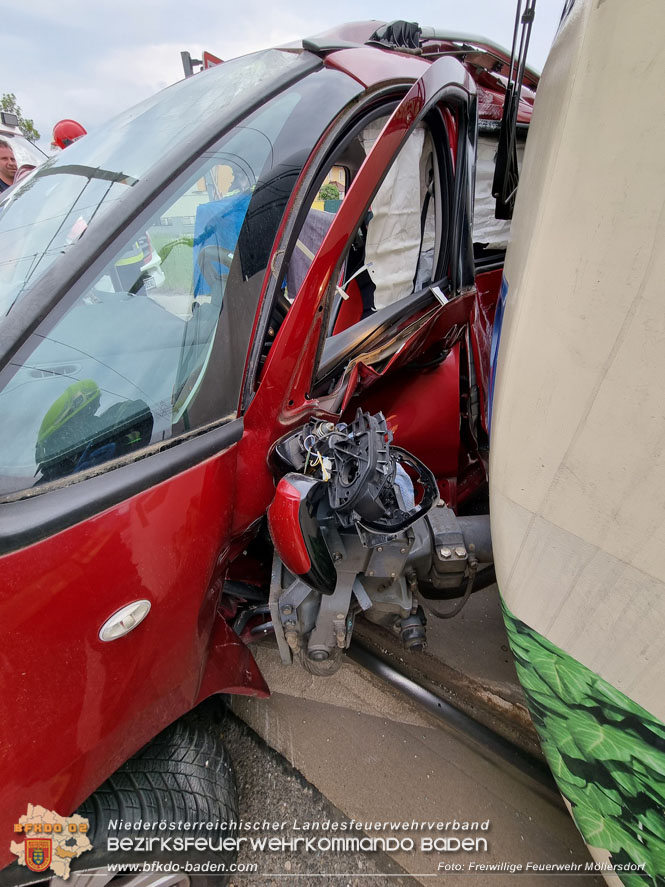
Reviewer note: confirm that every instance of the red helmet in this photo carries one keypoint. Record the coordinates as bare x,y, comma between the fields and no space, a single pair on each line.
65,132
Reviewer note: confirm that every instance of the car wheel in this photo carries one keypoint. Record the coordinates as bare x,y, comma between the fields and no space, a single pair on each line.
183,775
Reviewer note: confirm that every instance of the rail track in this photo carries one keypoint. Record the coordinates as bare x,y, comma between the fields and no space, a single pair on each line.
454,717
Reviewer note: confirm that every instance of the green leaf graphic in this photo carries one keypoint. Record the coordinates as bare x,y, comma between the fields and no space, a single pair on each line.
606,752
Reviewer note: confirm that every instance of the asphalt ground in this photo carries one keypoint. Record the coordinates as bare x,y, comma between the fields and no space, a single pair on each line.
370,754
270,788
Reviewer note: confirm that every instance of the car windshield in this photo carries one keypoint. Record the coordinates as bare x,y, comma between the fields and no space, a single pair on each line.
45,216
150,343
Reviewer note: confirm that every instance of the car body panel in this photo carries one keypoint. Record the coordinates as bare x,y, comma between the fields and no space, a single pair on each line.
97,702
370,68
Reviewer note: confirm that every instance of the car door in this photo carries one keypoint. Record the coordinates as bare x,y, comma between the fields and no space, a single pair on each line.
292,383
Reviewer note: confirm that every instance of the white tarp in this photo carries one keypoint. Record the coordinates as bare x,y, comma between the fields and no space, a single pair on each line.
393,235
493,233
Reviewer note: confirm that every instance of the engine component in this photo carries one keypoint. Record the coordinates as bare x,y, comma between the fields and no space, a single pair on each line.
362,487
412,631
362,472
351,535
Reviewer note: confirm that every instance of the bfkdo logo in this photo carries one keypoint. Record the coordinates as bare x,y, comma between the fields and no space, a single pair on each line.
38,853
51,841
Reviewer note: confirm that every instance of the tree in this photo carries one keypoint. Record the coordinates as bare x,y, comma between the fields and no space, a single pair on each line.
8,103
329,191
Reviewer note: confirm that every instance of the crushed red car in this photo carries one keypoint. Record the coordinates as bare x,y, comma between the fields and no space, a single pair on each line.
285,433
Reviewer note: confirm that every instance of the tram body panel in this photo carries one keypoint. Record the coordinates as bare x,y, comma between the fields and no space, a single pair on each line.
577,463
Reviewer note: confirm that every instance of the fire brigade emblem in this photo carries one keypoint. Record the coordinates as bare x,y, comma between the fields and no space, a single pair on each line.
38,853
51,841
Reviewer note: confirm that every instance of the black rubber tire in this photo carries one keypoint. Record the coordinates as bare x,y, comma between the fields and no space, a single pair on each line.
186,774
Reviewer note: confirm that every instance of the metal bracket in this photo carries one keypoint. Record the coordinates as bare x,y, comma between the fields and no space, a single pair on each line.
273,600
362,597
330,628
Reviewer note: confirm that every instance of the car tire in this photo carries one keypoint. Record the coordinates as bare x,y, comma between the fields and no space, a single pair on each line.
183,775
186,774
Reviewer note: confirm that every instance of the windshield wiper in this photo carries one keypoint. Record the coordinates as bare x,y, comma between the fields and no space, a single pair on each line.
90,172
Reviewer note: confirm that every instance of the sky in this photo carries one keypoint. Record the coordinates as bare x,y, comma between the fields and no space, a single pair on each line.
90,59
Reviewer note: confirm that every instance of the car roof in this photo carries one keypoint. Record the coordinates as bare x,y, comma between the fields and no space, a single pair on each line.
487,62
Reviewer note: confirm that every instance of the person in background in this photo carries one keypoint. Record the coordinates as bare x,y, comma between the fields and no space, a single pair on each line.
7,165
65,132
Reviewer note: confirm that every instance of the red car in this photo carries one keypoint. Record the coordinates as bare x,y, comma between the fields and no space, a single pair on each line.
288,432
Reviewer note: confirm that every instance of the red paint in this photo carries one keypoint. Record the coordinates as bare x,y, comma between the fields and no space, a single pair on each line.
81,707
422,411
370,67
351,309
481,324
284,522
282,401
309,302
489,65
230,667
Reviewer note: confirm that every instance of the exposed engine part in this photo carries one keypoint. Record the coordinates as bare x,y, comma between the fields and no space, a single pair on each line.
245,616
362,472
412,631
448,614
352,535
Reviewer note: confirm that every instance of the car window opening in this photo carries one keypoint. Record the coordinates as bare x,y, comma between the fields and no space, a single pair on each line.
137,358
